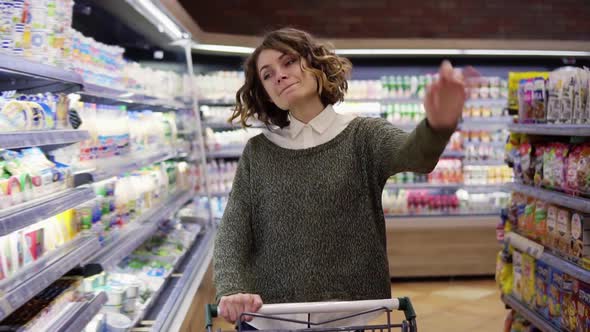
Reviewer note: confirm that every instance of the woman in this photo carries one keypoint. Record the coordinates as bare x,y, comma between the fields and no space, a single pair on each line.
304,221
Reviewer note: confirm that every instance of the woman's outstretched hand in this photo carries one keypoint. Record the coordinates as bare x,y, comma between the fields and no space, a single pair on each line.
445,97
232,306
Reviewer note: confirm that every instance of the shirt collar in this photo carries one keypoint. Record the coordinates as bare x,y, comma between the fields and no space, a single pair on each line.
320,123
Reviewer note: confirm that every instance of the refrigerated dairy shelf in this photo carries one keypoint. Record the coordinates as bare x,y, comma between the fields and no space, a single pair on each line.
551,129
577,203
226,153
105,95
120,245
120,165
80,314
23,139
22,287
170,312
17,73
536,250
537,320
28,213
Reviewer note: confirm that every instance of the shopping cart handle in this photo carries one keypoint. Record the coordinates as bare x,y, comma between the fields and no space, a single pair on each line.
325,307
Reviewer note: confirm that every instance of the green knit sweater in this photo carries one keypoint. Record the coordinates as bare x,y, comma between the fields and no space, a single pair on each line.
307,225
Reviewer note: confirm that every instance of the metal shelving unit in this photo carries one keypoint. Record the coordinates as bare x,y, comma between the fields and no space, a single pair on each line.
168,314
31,212
17,73
120,245
537,320
577,203
22,139
105,95
121,165
551,129
22,287
486,220
226,153
80,314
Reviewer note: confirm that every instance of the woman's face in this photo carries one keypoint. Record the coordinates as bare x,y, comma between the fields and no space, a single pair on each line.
284,81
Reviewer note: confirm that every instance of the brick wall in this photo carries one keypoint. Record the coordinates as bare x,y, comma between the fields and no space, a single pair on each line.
486,19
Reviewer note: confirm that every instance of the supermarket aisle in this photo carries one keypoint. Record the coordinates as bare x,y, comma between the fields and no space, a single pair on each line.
448,306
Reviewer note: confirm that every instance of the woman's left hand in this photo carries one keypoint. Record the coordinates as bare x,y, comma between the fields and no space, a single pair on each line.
446,97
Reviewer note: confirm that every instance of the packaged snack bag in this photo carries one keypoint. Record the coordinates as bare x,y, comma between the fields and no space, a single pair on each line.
540,231
564,229
538,100
552,234
582,299
554,161
529,216
568,304
542,282
578,170
525,101
539,151
555,86
567,98
526,164
580,237
581,95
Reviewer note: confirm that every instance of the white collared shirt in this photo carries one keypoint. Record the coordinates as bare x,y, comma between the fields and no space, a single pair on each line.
321,129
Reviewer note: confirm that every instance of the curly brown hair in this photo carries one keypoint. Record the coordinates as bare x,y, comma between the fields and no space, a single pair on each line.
330,71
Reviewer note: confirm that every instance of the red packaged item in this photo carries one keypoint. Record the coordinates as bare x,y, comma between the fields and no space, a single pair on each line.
582,300
538,165
577,177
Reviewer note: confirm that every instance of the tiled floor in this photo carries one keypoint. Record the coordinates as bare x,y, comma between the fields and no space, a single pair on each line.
445,306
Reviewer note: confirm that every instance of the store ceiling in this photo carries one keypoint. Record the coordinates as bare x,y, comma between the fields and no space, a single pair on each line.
488,19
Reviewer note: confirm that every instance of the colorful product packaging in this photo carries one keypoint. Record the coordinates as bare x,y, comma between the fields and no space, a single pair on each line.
555,297
568,304
582,299
542,283
564,231
528,280
517,262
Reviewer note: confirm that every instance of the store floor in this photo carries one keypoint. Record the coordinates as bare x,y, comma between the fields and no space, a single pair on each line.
445,306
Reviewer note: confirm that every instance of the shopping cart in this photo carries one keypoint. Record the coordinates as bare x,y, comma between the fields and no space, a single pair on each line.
359,308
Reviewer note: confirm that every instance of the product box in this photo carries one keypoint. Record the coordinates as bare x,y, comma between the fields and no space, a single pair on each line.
582,299
517,288
580,230
542,283
540,221
564,231
529,218
528,280
555,297
568,304
552,234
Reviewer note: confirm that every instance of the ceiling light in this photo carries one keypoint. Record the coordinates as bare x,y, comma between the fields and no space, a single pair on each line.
157,17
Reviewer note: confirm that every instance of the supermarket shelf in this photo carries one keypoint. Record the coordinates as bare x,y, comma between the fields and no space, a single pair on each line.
487,102
138,232
172,313
119,165
23,139
536,250
21,288
537,320
217,102
232,126
468,187
226,153
80,315
453,154
31,212
105,95
577,203
17,73
492,162
551,129
442,221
